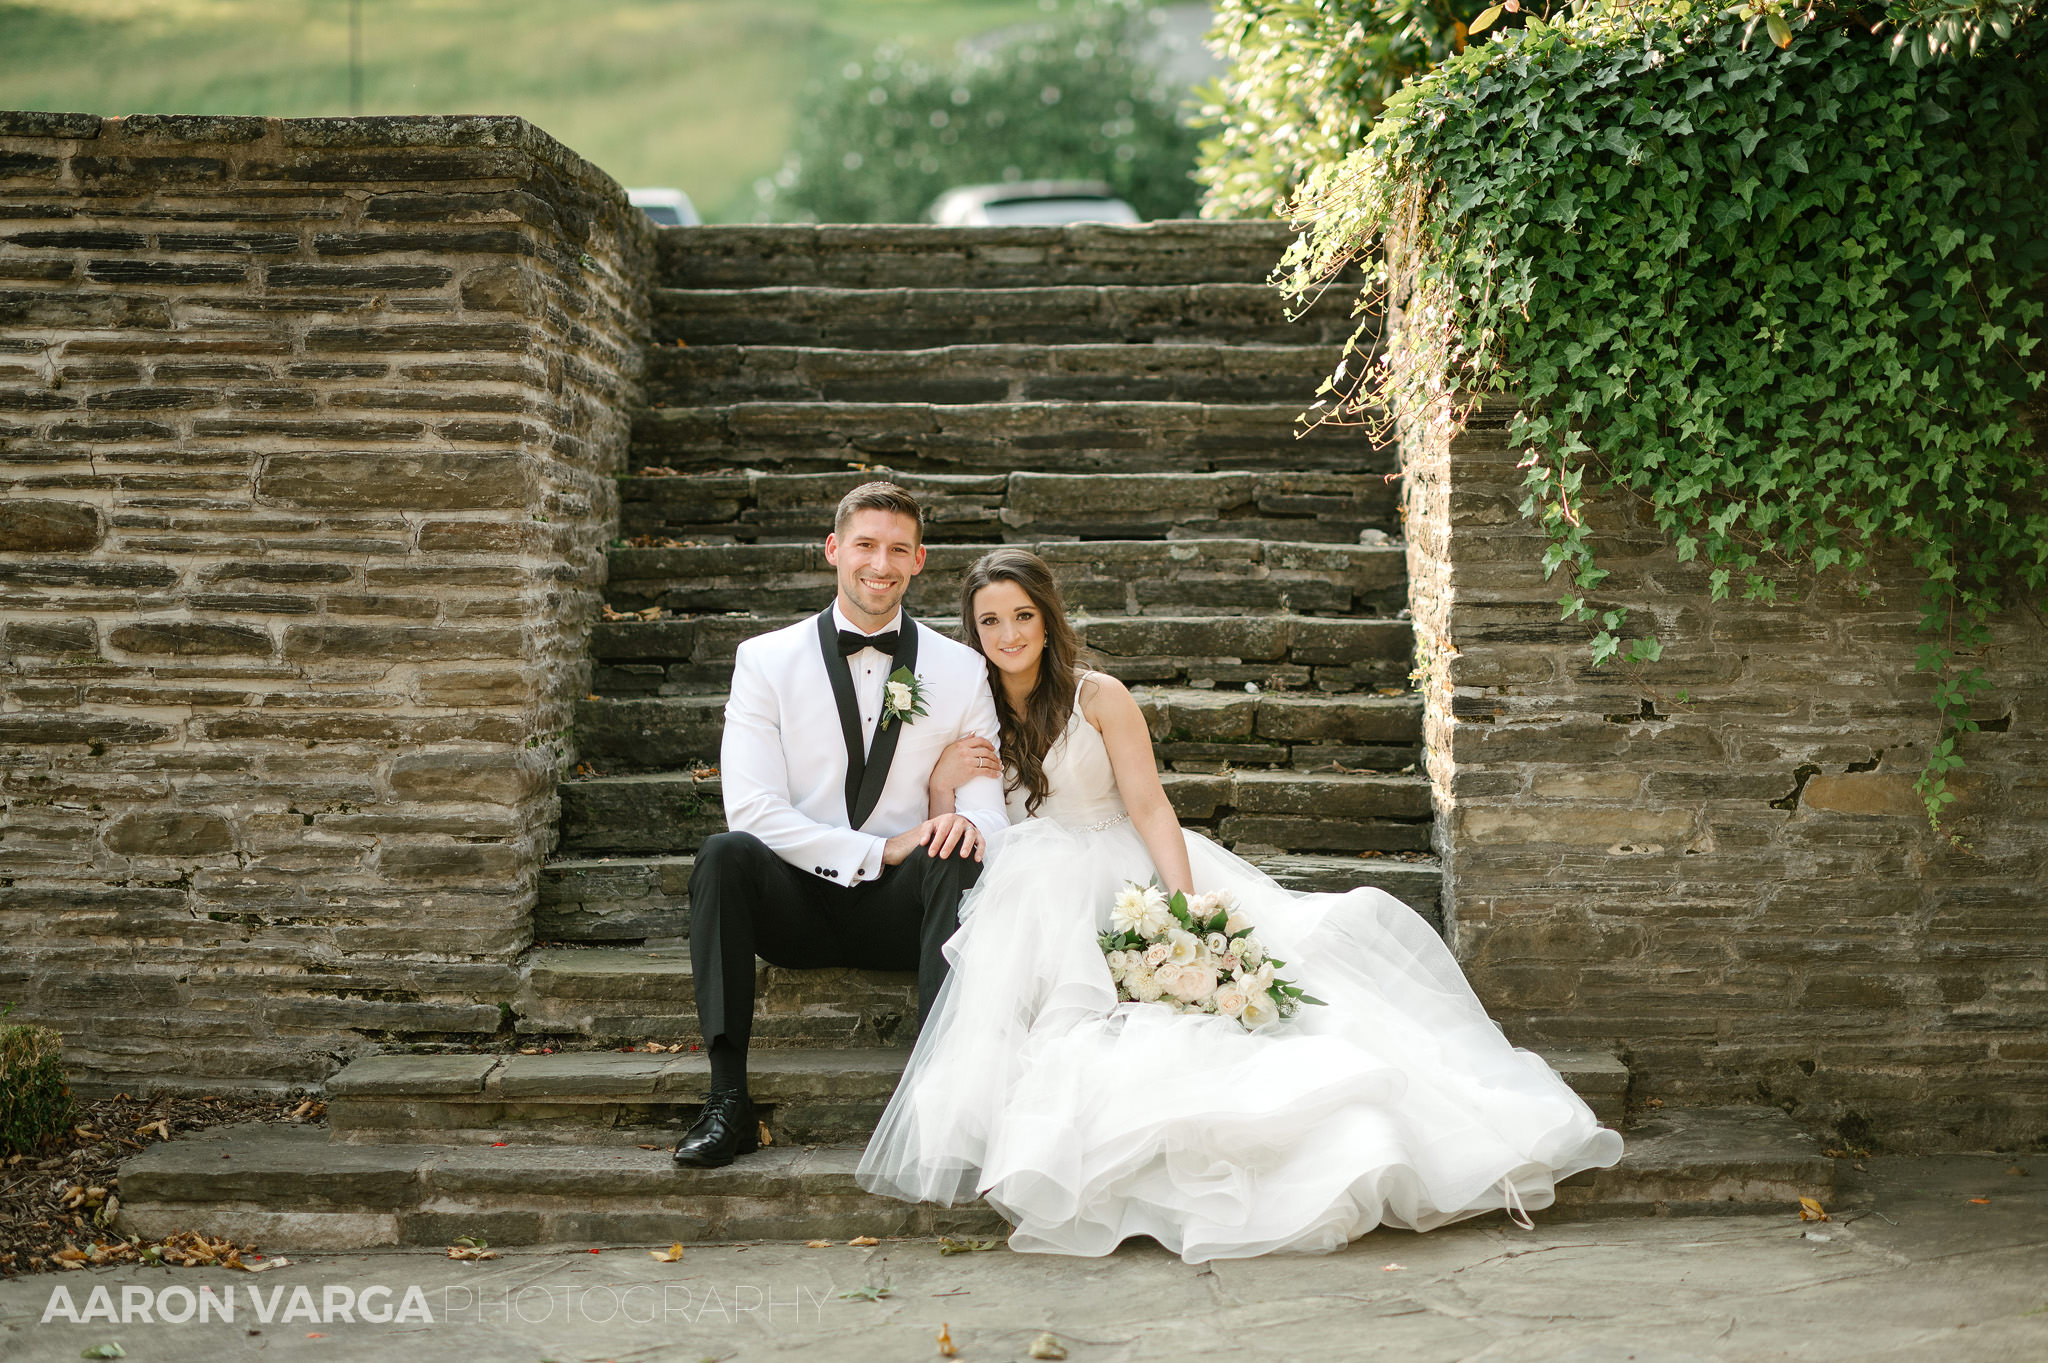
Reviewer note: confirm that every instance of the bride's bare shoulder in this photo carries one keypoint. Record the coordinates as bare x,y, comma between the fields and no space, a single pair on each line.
1103,696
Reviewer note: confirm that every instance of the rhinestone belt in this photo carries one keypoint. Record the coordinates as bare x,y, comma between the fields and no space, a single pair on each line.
1110,822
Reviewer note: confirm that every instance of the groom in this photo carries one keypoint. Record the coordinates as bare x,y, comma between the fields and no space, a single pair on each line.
830,859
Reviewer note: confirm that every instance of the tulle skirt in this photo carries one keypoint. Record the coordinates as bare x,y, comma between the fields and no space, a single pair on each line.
1086,1121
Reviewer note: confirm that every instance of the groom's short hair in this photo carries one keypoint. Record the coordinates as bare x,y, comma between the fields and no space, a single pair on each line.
879,496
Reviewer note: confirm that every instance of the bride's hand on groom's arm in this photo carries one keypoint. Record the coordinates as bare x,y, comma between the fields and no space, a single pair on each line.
965,759
940,837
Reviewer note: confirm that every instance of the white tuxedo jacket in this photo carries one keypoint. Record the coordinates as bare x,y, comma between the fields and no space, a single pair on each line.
788,750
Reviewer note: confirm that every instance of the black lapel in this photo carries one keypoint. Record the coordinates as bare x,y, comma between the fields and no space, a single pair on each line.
876,774
849,714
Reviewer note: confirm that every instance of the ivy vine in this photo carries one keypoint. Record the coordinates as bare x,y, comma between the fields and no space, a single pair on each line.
1785,287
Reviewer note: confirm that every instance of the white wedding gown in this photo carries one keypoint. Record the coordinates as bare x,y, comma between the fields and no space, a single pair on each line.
1085,1121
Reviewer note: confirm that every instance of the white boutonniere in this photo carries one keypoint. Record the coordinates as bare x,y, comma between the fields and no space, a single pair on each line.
902,697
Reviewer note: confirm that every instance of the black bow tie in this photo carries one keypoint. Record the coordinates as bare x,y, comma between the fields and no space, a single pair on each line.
851,642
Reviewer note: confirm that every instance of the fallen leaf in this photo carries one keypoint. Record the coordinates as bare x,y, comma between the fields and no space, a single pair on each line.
103,1351
767,1137
1980,1202
1393,1268
863,1241
1047,1345
650,1147
948,1245
1809,1210
870,1292
817,1244
597,1251
314,1334
476,1250
499,1145
264,1267
673,1254
946,1349
2016,1169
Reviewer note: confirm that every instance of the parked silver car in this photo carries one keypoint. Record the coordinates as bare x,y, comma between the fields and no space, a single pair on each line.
667,207
1028,202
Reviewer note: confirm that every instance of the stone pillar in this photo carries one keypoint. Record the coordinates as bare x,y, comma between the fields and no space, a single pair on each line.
1716,864
307,430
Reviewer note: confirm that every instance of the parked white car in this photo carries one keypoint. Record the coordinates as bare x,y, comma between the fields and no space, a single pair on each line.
668,207
1030,202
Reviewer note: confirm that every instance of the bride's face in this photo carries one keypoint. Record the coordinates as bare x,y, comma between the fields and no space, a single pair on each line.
1009,626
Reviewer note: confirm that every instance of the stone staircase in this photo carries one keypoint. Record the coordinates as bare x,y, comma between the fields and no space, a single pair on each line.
1122,401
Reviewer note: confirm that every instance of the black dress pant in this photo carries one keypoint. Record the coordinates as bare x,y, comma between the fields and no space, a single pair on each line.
745,902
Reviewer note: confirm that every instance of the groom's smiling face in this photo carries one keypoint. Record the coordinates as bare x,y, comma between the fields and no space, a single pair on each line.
876,554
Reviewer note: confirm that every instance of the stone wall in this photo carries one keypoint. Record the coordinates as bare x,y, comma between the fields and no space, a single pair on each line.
1716,864
307,431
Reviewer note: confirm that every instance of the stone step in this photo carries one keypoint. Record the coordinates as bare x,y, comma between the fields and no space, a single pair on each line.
810,1096
689,376
1191,730
1127,577
1285,811
771,508
674,656
1002,437
646,899
286,1188
916,256
633,995
921,316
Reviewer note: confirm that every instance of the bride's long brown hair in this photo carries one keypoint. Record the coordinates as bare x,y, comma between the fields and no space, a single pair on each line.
1028,737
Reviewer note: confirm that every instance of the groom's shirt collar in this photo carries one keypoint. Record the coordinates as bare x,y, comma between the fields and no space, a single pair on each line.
839,621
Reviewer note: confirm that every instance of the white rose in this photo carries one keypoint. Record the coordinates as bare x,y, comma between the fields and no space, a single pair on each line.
1119,964
1193,984
1251,951
1217,943
1230,1000
1143,986
1228,960
1129,909
1156,954
1184,946
1168,978
1236,923
899,695
1260,980
1258,1011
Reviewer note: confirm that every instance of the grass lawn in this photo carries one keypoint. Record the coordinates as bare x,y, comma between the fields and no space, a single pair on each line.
698,94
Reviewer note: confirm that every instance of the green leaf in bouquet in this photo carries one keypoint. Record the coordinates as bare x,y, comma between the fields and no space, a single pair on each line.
1311,998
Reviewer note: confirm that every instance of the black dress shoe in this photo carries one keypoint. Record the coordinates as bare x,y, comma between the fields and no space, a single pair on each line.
725,1130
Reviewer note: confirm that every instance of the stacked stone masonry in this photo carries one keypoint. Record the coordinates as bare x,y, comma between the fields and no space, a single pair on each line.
362,475
1717,863
307,431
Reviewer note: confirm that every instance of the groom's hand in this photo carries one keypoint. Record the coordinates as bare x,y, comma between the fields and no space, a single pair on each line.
940,837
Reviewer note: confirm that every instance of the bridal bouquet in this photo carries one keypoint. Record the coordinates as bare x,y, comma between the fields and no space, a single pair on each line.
1195,954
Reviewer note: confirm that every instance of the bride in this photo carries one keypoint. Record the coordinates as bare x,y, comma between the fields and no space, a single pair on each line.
1085,1120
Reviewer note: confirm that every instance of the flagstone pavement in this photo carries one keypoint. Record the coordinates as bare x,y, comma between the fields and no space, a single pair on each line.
1923,1259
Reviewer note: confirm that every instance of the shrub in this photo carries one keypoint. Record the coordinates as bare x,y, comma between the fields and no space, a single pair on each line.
1306,81
1066,99
35,1102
